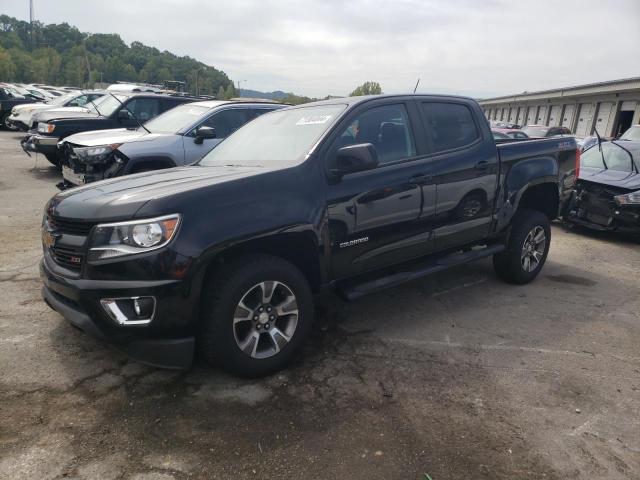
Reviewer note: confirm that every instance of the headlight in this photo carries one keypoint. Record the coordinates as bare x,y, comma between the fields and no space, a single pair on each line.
111,240
95,154
46,127
632,198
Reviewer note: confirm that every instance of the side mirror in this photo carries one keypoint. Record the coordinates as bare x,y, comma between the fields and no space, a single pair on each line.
204,133
355,158
123,115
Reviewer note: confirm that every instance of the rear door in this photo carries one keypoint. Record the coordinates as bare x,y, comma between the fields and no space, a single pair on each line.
465,165
381,216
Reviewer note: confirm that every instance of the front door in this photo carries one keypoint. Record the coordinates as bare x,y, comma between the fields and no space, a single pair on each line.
381,216
465,165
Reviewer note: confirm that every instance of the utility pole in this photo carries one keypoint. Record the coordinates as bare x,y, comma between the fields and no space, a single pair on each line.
31,21
239,82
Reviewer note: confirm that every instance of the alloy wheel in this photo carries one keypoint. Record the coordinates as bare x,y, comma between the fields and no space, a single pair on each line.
533,249
265,319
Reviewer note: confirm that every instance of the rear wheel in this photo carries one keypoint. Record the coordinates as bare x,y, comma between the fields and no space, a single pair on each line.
527,248
257,312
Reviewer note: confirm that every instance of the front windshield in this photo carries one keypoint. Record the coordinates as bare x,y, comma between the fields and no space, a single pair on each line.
62,99
176,119
14,92
632,134
107,104
535,131
283,137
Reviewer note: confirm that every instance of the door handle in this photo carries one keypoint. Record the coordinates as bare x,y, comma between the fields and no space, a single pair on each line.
482,165
420,179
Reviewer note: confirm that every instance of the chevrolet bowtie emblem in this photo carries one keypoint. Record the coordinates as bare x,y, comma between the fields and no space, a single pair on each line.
49,238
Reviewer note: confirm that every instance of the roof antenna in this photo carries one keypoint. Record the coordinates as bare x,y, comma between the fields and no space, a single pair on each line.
417,83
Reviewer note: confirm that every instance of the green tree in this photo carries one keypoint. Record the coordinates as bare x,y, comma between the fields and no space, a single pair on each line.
220,95
367,88
7,67
230,92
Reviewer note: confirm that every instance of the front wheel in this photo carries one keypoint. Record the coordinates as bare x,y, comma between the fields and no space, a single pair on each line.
527,248
6,124
257,311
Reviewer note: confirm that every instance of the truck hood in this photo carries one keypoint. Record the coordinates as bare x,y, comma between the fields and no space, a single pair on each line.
120,198
108,137
613,178
64,112
31,107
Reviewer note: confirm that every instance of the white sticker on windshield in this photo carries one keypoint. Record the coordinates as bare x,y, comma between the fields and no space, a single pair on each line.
314,120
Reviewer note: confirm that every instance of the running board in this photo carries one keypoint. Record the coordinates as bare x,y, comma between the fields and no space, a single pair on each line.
352,291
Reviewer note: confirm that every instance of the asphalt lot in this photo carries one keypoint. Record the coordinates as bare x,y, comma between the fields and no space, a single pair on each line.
457,376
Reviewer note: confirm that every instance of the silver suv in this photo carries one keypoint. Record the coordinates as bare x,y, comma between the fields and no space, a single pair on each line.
180,136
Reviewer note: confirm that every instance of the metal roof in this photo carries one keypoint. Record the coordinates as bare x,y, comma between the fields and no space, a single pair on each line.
609,86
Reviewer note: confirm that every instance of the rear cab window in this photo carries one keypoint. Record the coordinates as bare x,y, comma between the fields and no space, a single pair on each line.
449,126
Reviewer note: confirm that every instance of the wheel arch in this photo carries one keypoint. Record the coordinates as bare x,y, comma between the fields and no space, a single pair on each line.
299,248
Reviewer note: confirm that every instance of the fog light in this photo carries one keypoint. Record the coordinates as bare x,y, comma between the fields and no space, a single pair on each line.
130,310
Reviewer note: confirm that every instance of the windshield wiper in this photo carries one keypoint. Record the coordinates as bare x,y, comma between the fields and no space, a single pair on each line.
94,105
600,148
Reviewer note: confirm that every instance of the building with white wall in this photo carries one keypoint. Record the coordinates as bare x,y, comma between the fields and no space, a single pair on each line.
611,107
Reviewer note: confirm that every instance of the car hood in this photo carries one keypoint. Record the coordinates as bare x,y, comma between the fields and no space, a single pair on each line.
108,137
64,112
614,178
120,198
31,106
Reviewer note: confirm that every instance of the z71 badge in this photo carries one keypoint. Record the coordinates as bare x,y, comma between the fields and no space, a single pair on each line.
354,242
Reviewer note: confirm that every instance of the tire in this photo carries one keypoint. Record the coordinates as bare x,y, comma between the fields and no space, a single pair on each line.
226,327
530,232
3,123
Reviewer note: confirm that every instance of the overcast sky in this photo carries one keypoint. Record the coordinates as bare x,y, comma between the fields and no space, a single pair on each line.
472,47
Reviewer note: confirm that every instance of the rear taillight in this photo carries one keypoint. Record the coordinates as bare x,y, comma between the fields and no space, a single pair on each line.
577,163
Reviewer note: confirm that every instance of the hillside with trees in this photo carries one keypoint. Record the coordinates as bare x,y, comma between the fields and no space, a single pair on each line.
59,54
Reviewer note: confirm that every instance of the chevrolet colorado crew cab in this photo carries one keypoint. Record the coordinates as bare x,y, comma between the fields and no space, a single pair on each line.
349,195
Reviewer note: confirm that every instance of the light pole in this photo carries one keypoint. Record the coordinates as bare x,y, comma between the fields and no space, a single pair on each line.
86,56
197,90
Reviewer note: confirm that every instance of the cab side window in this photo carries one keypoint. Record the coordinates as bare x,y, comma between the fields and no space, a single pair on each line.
449,125
143,108
227,121
387,128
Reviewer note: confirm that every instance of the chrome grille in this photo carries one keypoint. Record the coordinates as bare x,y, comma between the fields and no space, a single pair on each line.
70,227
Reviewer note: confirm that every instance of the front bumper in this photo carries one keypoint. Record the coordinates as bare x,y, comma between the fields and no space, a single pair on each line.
40,144
78,301
16,123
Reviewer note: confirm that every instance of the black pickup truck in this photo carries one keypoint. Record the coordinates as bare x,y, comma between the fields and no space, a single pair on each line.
119,110
349,195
